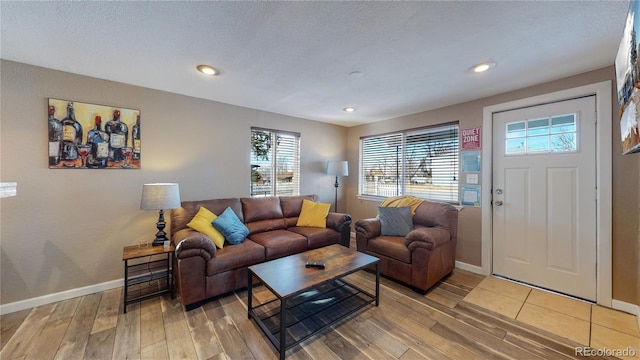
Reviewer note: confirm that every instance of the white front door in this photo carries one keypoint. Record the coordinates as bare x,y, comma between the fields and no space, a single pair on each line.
544,196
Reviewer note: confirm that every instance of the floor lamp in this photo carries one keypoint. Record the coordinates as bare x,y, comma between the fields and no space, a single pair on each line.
337,168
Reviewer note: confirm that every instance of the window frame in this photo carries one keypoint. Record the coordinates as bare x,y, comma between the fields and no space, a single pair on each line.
404,184
270,187
551,131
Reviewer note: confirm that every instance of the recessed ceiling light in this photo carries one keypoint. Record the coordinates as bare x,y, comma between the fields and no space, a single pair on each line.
208,70
484,67
349,109
356,75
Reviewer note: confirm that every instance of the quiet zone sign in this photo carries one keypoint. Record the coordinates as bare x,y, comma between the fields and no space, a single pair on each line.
471,139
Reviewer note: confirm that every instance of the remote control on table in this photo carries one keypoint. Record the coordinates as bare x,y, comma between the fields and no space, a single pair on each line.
317,265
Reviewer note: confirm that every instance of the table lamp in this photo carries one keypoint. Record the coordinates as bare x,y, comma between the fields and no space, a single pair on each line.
160,196
337,168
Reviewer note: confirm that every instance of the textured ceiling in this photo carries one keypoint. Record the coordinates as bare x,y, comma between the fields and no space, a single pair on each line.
294,58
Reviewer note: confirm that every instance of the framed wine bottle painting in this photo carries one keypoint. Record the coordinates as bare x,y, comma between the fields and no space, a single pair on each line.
89,136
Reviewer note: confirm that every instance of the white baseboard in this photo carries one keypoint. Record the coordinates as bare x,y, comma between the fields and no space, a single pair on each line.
624,306
473,268
63,295
628,308
69,294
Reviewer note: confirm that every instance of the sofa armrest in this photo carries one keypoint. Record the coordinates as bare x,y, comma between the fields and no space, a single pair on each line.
342,224
192,243
338,221
427,237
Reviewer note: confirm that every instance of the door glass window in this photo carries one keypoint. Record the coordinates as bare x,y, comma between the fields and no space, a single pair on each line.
564,133
537,144
538,127
516,137
557,134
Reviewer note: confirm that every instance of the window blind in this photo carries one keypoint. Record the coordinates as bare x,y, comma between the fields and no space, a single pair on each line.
421,162
275,162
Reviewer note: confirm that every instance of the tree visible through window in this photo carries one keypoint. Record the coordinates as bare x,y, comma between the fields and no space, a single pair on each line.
275,163
421,162
557,134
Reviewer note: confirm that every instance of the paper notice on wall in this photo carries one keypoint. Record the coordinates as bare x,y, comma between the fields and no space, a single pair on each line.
472,178
470,161
471,195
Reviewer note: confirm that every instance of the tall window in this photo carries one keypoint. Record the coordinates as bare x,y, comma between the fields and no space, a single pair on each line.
421,162
275,162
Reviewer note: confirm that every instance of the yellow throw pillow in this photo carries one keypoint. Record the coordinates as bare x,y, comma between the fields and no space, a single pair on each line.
313,214
201,222
403,200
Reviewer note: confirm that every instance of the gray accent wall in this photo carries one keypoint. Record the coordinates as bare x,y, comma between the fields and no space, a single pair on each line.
66,228
626,193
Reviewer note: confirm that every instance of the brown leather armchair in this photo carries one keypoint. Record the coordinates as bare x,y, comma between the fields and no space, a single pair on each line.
422,257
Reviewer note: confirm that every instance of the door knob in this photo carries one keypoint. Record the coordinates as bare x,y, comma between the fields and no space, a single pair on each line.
498,203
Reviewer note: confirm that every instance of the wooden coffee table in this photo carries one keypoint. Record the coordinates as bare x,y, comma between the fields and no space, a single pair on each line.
308,300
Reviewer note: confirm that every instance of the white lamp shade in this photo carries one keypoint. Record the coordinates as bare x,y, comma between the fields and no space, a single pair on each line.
160,196
338,168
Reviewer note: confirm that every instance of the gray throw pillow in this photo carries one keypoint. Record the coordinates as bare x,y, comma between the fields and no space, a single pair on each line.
395,221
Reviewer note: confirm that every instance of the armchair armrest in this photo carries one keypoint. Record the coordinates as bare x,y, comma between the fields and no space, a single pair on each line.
427,237
192,243
368,228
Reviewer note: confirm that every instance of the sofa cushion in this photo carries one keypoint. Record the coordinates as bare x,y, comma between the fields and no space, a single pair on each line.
395,221
290,222
292,205
182,215
261,208
233,257
231,227
279,243
266,225
391,246
317,237
313,214
202,222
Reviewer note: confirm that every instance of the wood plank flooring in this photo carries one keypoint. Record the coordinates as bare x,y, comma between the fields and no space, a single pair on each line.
406,326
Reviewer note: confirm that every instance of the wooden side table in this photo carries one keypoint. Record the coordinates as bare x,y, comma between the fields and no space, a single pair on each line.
138,272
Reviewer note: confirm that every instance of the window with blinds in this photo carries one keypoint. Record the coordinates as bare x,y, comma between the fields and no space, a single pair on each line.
275,162
421,162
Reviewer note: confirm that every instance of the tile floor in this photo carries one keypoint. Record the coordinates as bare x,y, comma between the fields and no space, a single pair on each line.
582,322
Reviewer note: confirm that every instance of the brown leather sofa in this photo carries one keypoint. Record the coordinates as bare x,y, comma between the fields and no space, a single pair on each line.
203,271
422,257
